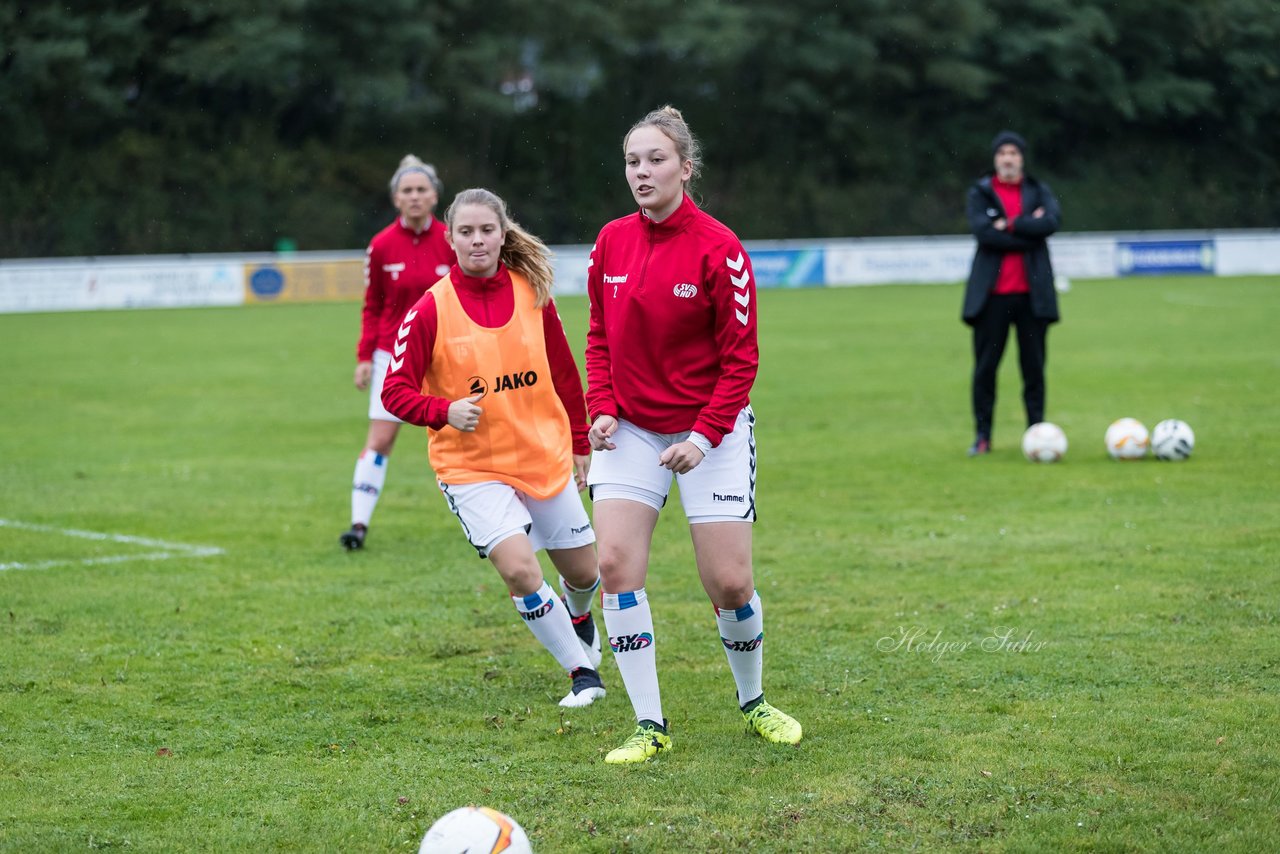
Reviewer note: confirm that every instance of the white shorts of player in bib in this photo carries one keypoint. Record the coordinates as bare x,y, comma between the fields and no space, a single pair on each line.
721,488
491,512
377,412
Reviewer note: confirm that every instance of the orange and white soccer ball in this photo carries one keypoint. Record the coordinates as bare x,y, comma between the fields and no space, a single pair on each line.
1044,443
476,830
1127,439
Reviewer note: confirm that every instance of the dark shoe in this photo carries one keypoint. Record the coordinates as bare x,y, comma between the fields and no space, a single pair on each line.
585,628
980,446
587,688
354,538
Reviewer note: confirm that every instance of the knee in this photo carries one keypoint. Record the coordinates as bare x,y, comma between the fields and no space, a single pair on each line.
520,572
732,594
618,570
612,562
580,568
523,579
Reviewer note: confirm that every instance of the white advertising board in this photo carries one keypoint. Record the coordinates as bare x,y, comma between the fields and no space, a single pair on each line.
905,261
1253,255
570,264
1083,256
106,284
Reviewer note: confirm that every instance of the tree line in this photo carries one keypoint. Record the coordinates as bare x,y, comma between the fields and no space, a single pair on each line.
229,125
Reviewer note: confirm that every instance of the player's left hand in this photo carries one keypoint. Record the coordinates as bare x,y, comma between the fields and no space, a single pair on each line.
581,465
681,457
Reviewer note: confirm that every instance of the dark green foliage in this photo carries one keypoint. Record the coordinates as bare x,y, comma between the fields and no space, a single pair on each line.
174,126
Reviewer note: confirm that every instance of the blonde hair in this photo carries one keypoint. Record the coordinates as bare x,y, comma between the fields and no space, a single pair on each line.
672,124
521,251
410,163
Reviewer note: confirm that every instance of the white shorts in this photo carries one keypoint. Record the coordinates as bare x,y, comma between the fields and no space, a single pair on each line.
722,488
381,360
490,512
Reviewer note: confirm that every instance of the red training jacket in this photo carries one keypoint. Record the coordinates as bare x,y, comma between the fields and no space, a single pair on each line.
672,341
399,265
488,302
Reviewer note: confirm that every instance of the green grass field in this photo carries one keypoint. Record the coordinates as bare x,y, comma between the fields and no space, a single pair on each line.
285,695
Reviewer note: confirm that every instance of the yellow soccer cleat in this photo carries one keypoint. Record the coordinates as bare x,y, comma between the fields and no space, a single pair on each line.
772,724
646,742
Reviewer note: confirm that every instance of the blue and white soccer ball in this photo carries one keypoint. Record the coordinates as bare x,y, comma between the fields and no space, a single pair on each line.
1127,439
1172,440
1044,443
476,830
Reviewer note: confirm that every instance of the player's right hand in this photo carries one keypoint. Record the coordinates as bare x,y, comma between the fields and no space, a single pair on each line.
464,415
364,373
600,431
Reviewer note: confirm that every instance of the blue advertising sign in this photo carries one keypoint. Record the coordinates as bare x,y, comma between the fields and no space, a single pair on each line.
788,268
1156,257
266,282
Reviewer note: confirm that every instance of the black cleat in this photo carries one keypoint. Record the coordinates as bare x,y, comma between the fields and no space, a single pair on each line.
354,538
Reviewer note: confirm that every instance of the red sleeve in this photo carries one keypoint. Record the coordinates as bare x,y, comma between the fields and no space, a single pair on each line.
600,400
402,390
733,292
565,376
374,296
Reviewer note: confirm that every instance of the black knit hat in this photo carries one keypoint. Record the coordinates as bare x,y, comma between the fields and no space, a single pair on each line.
1008,137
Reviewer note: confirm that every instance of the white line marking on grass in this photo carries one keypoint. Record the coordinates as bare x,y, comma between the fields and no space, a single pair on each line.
167,550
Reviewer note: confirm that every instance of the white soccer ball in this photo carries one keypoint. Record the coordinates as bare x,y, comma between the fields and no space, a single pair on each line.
1172,440
1127,439
476,830
1044,443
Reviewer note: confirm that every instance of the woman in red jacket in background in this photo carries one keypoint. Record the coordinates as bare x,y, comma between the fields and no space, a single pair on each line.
403,260
671,358
481,359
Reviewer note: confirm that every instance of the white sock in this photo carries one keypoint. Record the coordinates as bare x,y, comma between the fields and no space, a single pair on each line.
549,622
366,486
579,601
630,626
742,633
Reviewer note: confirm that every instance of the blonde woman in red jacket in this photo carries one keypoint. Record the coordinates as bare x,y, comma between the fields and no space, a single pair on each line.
403,260
482,361
671,358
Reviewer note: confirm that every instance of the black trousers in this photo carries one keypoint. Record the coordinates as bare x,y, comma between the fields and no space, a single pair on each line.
990,334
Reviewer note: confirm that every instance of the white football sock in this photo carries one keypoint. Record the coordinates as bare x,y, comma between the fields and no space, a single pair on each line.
579,601
366,486
630,625
742,634
549,621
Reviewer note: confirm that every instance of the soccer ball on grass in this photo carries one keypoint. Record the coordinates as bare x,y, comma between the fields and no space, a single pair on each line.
1044,443
475,829
1172,440
1127,439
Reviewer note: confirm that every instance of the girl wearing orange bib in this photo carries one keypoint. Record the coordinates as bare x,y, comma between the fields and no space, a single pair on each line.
481,360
